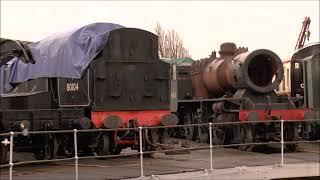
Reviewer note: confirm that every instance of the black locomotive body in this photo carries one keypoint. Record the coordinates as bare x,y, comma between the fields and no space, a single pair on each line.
305,70
126,85
296,63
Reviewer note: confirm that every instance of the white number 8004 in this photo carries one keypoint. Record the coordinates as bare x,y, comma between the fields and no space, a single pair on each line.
72,87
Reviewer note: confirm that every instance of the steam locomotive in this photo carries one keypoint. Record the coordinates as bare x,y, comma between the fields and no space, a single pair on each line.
238,86
108,76
123,85
303,83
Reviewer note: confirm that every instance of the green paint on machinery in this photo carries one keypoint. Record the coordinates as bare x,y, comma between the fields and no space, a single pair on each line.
312,81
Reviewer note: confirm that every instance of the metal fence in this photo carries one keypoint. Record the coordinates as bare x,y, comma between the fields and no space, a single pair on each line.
141,152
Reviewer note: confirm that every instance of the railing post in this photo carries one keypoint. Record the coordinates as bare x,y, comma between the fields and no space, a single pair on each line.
11,155
282,142
210,136
76,152
141,152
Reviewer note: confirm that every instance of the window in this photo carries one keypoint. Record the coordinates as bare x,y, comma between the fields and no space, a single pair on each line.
287,77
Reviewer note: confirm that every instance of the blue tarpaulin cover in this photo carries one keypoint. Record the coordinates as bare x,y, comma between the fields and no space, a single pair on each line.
64,54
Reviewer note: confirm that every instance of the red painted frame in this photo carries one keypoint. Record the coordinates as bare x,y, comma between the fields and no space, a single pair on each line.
144,118
285,114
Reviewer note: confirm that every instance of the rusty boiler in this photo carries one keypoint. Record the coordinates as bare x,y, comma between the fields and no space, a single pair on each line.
260,71
196,74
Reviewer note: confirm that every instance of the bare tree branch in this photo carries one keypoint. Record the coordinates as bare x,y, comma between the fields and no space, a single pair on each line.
170,43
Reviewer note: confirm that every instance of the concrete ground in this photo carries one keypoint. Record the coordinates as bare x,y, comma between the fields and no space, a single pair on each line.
247,173
306,160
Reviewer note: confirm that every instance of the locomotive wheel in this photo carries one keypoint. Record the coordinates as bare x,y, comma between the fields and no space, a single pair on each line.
154,138
188,131
3,153
48,148
291,147
291,134
245,135
116,150
164,136
315,131
203,132
172,132
103,147
218,135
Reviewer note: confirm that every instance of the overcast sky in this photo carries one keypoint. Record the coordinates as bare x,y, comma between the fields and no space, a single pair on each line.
202,25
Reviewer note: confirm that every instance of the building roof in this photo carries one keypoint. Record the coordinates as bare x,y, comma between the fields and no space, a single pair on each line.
179,60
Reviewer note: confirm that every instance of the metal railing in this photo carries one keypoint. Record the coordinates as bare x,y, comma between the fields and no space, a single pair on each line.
141,152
